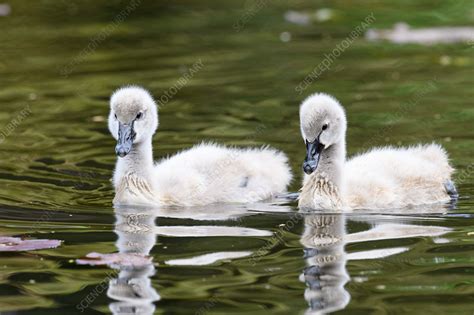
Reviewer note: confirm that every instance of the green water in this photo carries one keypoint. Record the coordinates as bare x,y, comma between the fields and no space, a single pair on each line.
56,158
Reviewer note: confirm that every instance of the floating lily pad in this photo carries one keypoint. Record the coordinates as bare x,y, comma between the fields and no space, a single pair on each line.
115,259
16,244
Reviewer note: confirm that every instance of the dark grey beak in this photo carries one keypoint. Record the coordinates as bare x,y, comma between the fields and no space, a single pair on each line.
126,135
313,152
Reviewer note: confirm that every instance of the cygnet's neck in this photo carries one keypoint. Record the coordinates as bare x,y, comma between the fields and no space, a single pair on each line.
331,164
324,189
139,161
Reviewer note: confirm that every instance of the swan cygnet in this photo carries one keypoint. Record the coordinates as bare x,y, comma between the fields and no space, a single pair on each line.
386,177
202,175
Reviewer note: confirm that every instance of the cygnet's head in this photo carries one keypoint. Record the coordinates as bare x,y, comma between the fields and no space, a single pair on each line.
133,118
323,123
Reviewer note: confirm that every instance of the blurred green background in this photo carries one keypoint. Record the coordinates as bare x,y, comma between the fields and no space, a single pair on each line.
64,59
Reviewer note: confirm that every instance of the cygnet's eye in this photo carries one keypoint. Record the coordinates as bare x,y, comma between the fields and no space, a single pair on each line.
139,116
115,115
325,126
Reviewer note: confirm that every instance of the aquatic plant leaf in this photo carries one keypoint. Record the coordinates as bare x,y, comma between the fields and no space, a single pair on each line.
115,259
16,244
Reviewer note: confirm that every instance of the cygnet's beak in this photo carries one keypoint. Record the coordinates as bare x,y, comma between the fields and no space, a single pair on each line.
126,135
313,152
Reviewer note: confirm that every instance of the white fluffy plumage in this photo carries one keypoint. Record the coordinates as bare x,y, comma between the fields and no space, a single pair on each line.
205,174
382,178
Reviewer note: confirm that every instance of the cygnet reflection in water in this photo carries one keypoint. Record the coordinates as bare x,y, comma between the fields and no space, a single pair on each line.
137,234
324,239
133,288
